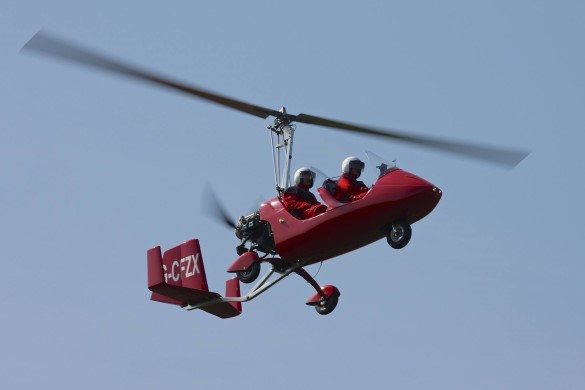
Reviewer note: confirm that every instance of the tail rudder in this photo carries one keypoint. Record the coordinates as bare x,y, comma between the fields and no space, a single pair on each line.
178,277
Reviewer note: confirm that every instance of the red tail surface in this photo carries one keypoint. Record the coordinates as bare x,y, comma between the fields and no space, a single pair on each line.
178,277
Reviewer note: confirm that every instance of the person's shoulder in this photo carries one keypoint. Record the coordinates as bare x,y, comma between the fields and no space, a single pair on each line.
291,191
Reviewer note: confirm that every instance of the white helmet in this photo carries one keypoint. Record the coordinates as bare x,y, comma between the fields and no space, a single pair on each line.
352,162
302,174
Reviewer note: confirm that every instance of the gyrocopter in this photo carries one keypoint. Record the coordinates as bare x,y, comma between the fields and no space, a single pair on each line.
271,235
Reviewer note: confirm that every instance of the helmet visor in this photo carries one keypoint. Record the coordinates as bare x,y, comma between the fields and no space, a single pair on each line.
359,165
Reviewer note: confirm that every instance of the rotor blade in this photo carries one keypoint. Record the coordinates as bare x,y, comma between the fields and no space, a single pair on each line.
212,207
507,157
46,44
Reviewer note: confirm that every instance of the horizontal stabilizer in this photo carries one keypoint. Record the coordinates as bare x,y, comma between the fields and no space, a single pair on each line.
183,295
227,309
164,299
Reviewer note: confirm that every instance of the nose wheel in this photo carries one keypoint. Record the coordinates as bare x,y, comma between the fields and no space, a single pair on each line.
399,234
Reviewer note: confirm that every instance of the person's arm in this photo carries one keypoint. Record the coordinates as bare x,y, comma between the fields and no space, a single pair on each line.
314,210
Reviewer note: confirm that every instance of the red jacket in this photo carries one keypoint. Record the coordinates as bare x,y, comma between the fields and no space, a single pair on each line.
349,189
301,203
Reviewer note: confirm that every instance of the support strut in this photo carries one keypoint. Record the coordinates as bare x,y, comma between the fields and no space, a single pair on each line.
305,275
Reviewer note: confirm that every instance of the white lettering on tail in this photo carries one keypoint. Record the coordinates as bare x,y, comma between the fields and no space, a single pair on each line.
188,267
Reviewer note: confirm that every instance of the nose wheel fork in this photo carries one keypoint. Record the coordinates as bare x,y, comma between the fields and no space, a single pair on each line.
325,299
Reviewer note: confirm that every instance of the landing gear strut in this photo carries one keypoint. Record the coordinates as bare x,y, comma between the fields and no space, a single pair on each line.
325,299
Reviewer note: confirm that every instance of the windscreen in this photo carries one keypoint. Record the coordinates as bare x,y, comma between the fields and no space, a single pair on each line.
379,165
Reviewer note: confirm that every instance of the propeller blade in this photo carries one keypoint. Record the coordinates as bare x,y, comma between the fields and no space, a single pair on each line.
213,207
47,44
507,157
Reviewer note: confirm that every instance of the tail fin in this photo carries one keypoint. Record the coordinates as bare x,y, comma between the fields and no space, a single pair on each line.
179,278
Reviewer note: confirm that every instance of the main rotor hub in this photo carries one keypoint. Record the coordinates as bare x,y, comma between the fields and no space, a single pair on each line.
281,120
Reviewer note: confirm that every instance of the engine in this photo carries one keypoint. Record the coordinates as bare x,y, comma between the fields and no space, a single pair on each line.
255,235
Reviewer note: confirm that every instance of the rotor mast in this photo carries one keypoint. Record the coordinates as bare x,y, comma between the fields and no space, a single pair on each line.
284,131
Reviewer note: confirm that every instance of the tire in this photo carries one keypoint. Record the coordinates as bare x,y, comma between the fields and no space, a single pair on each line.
251,274
327,305
399,234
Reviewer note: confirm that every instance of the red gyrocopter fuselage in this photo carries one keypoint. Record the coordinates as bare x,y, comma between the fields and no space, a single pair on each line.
397,196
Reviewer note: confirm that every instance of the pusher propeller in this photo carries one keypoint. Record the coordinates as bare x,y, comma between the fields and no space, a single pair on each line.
212,206
47,44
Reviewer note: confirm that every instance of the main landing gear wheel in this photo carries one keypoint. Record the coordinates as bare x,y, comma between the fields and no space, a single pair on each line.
328,304
251,274
399,234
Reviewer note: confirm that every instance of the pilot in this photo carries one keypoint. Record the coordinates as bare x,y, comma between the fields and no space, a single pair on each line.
349,188
298,200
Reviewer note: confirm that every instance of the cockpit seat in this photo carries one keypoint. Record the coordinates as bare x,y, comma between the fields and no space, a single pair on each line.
326,192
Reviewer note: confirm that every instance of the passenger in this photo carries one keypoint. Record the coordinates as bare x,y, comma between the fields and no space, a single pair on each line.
349,188
298,200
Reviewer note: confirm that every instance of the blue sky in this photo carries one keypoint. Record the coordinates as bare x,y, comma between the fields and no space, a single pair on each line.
95,169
